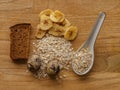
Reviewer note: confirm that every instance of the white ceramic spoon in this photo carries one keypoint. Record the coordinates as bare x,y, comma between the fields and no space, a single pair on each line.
89,43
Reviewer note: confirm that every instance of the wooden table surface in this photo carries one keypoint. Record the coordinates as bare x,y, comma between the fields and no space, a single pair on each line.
105,74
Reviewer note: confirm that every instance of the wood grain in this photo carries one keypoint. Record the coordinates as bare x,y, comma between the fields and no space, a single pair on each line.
105,73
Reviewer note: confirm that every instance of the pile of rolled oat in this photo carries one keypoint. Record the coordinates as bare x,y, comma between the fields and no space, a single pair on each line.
51,48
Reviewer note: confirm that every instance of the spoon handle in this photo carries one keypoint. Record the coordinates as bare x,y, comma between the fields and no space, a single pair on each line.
93,35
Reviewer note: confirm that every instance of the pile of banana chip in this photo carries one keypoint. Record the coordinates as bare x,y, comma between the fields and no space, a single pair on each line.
55,23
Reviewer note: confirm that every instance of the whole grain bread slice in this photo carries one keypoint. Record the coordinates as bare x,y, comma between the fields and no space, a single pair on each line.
20,41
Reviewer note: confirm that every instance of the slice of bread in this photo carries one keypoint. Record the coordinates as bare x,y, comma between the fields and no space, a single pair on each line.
20,41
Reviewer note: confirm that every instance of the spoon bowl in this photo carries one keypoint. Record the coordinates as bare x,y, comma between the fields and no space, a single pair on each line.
89,45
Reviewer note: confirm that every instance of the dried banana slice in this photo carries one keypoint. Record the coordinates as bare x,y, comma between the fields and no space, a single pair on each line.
46,12
45,23
57,16
40,33
65,23
57,30
71,33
